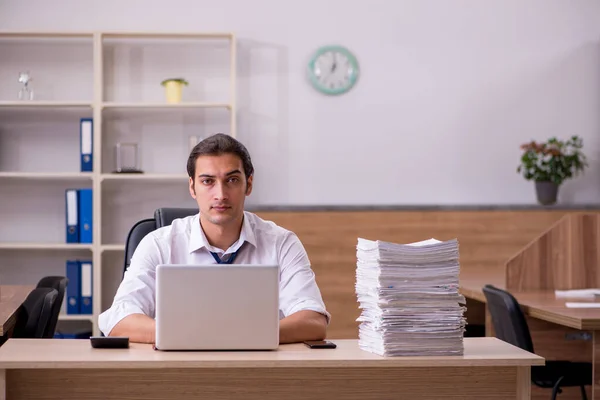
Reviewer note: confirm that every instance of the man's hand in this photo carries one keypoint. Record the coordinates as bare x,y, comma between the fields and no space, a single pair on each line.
302,325
139,328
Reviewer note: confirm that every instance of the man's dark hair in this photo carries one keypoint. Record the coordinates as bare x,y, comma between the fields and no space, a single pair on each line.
218,144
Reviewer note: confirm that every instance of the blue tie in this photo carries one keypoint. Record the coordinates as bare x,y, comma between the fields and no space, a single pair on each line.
229,261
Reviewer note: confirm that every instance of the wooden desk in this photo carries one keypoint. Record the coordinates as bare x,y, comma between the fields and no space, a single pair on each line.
71,369
539,304
11,297
542,305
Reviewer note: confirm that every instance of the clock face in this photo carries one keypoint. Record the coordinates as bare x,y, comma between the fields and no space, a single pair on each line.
333,70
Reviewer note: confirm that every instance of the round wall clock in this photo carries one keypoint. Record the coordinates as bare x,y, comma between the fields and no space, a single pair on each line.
333,70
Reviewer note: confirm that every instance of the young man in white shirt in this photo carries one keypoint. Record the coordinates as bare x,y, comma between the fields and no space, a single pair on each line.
221,176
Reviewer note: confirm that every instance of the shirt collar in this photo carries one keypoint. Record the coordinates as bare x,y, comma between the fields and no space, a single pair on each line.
198,239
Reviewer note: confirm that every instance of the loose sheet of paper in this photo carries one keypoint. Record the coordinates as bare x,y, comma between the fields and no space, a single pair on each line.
582,305
578,293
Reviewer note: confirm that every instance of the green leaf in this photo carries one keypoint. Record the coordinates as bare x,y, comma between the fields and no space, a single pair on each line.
180,80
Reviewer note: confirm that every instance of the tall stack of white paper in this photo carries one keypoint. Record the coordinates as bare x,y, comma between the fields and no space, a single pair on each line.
408,294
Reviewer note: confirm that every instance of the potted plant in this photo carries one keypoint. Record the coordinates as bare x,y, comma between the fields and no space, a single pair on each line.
549,164
173,89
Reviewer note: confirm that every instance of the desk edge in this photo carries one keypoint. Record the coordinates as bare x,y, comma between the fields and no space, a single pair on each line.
387,363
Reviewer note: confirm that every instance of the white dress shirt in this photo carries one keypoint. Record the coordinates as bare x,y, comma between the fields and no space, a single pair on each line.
183,242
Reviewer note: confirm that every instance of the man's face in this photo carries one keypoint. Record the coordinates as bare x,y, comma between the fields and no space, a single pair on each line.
220,188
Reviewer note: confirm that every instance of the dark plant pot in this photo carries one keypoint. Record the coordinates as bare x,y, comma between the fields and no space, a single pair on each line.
547,192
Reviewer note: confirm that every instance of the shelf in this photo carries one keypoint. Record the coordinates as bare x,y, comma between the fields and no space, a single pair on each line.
113,247
45,246
48,176
144,177
76,317
44,104
46,35
163,36
164,106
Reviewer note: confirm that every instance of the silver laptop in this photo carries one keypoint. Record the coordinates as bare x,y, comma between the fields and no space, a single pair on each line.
217,307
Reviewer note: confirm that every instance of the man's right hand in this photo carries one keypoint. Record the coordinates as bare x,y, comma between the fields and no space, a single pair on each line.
139,328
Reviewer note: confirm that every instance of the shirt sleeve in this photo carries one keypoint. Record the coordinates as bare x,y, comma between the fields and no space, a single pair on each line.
136,293
298,289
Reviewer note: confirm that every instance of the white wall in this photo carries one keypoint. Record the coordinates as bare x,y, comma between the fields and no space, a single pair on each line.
448,92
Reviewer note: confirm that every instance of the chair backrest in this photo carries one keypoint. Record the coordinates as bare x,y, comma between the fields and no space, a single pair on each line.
34,313
60,284
135,236
162,217
165,216
507,318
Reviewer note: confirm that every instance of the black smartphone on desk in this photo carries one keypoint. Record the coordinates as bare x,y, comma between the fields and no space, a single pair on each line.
320,344
109,342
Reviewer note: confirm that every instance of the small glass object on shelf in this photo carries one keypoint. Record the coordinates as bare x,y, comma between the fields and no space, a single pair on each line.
127,159
26,93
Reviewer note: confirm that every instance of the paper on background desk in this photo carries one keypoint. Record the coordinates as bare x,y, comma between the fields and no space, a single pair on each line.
578,293
582,305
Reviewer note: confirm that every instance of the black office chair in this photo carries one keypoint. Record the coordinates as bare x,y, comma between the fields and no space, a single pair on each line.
162,217
34,314
511,326
60,284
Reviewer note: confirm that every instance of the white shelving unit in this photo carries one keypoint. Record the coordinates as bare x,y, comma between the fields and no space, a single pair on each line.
114,78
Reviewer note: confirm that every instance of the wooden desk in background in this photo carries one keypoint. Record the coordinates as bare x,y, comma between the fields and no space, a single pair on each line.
550,322
539,304
11,298
71,369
